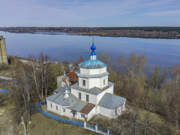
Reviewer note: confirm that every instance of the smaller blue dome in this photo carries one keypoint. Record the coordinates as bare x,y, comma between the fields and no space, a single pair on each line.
93,47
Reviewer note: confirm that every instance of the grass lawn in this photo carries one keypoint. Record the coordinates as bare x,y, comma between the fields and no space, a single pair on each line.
42,125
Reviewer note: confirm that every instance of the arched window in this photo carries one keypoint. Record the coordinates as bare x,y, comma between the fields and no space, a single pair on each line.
84,82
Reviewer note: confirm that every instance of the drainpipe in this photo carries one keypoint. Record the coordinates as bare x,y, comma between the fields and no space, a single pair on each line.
84,124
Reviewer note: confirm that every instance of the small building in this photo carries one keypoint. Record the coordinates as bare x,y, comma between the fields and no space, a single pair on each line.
3,53
92,94
67,79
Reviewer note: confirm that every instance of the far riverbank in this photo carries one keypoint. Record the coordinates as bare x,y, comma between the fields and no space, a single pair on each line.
133,32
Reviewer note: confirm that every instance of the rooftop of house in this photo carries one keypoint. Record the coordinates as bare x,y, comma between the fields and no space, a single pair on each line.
60,90
72,77
70,102
94,91
111,101
87,108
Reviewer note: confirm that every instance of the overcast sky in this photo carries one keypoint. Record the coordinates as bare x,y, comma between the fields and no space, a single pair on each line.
90,12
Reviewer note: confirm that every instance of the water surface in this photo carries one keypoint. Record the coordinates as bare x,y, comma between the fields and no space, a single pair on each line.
163,52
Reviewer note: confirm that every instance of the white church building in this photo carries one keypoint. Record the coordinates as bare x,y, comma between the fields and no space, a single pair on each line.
93,94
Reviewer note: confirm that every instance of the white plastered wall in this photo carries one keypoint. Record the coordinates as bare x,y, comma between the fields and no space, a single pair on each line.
91,113
59,109
85,71
110,113
108,90
93,82
92,98
68,113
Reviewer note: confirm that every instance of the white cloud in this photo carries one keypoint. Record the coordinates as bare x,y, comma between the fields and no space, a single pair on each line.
84,12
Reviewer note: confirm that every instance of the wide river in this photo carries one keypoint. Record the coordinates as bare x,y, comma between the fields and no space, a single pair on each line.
163,52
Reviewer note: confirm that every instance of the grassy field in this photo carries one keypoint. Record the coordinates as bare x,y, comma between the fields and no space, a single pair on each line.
42,125
7,124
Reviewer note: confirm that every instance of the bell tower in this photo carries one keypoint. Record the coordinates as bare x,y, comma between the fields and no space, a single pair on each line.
93,73
3,53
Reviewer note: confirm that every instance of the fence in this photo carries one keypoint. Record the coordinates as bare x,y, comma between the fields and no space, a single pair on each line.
72,122
95,129
3,91
57,118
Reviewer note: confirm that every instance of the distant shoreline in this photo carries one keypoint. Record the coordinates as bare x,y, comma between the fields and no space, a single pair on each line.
131,32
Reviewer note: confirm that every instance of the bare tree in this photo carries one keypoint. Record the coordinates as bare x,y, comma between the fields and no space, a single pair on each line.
40,75
23,102
35,75
44,72
134,123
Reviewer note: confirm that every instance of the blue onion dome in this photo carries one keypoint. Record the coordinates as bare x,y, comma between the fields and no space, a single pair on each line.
92,64
93,47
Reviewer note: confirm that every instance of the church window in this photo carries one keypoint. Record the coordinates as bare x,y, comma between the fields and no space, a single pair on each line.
84,82
51,105
79,95
116,111
82,115
56,107
104,81
87,98
64,110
